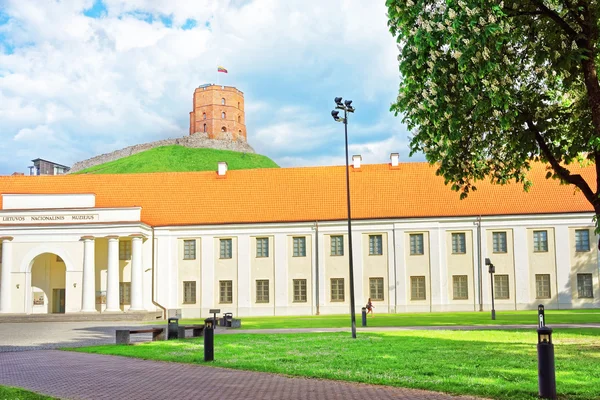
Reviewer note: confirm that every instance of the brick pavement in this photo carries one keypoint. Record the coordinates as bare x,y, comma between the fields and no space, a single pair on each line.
90,376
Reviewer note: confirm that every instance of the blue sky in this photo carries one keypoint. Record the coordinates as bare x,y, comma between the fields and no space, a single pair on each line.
80,78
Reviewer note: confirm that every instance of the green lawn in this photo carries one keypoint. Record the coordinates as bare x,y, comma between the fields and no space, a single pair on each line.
11,393
180,159
420,319
496,364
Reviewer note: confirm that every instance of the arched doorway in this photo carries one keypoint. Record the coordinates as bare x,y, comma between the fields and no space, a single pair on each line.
48,284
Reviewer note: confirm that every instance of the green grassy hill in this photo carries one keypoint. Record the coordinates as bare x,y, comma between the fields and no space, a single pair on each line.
180,159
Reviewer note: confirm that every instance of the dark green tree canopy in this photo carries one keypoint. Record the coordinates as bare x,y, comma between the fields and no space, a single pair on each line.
489,86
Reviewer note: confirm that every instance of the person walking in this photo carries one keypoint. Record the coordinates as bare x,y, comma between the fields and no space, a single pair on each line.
370,308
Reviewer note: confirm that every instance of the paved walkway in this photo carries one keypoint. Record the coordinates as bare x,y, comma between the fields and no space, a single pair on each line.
90,376
53,335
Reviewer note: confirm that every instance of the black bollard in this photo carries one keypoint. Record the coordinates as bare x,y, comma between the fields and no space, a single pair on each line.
364,316
209,339
545,349
173,328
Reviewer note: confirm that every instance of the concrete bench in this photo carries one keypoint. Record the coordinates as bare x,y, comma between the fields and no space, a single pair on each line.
123,336
197,330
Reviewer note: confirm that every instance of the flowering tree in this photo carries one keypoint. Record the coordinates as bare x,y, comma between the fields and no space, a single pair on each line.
490,86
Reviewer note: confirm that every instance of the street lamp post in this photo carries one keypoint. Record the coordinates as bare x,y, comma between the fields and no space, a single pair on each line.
492,270
347,107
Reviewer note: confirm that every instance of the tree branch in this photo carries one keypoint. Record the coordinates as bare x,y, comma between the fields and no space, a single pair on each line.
556,18
597,162
563,173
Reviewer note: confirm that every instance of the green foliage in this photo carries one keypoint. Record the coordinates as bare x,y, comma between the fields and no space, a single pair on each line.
481,78
492,364
7,392
180,159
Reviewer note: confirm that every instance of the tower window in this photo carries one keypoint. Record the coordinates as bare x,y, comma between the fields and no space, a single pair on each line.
223,101
204,127
238,104
239,119
223,129
203,115
223,115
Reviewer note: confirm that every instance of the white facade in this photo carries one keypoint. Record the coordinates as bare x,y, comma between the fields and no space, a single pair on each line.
61,248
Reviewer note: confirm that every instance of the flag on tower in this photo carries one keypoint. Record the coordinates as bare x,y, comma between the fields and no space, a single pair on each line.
221,69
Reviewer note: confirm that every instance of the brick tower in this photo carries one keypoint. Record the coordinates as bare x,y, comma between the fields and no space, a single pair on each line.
218,111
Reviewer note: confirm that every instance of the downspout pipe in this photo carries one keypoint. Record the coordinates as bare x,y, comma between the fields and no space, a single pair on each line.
479,273
153,279
317,266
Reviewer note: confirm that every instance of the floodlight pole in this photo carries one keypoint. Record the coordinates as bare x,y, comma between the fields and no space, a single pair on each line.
347,107
351,260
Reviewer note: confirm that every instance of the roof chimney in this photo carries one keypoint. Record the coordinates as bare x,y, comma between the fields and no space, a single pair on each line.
394,158
222,168
356,161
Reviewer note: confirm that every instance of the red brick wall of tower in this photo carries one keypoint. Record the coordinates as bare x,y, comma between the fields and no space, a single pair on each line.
218,111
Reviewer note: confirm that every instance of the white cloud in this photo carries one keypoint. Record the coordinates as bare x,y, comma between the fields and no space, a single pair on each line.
96,85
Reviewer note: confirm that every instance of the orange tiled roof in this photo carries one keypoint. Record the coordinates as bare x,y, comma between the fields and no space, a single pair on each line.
305,194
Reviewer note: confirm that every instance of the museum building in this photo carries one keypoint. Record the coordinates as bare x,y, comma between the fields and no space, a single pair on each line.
274,242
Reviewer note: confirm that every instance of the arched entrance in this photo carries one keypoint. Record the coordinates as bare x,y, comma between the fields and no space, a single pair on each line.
48,284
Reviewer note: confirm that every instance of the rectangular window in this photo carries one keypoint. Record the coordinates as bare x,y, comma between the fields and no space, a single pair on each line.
585,290
225,251
499,239
416,244
262,290
337,245
225,292
460,287
337,289
542,286
501,287
124,250
582,240
376,288
459,245
262,247
375,245
540,241
189,292
125,293
299,246
299,290
189,249
417,288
